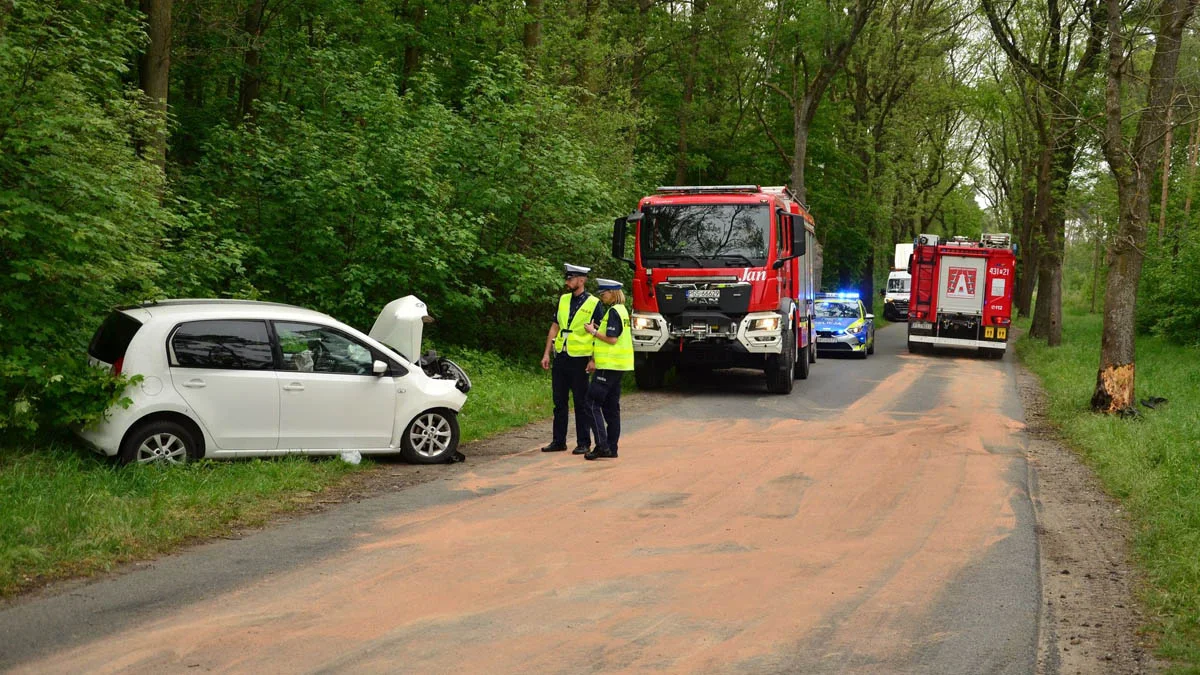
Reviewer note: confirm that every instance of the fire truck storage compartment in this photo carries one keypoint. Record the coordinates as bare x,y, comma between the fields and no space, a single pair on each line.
961,285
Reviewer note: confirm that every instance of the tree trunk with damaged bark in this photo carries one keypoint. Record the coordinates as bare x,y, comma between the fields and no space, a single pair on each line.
1132,165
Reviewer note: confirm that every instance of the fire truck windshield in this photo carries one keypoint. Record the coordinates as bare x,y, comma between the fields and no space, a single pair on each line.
706,235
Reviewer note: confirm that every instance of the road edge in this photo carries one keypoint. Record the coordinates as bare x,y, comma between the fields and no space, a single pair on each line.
1090,619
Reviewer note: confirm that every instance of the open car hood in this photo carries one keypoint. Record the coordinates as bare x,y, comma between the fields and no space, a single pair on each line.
400,325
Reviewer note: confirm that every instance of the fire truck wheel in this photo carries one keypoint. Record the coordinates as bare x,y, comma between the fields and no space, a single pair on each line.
648,372
915,347
780,366
803,359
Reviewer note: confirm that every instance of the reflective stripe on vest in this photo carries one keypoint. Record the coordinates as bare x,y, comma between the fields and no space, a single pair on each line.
578,342
620,355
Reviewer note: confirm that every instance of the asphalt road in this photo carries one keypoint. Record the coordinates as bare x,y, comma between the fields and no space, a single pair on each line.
878,519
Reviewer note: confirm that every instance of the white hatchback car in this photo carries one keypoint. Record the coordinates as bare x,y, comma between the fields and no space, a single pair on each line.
229,378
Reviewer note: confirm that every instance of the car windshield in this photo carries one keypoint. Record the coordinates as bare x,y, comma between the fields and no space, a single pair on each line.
898,285
837,310
706,235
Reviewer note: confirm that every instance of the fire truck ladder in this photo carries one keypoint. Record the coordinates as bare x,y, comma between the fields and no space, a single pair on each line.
926,284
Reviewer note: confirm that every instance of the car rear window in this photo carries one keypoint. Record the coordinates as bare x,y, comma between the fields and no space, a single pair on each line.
113,337
234,345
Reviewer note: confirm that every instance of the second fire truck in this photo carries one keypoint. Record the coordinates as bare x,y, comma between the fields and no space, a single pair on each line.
961,293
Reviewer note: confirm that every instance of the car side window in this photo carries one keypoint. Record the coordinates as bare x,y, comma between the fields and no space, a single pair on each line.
309,348
226,344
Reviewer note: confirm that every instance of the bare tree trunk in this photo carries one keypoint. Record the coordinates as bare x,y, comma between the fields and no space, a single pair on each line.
1193,156
1132,166
412,50
533,31
1096,263
154,71
252,60
689,92
800,146
1166,173
1029,255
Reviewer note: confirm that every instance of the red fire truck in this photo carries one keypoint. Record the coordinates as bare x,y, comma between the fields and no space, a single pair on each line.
961,293
722,278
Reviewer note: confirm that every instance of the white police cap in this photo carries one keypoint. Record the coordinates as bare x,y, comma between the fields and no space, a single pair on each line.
575,270
608,285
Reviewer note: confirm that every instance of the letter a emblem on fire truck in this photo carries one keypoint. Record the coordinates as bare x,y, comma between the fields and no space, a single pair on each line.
961,283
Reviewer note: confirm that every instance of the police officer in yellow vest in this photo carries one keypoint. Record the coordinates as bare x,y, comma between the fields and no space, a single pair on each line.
572,350
612,357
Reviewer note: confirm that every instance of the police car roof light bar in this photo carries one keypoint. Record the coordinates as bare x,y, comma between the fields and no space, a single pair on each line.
707,189
840,295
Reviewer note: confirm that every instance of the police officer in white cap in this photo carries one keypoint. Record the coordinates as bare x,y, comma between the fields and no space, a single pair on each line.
569,346
612,357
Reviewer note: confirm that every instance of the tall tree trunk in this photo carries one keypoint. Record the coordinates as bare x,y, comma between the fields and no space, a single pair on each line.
412,50
533,31
689,92
1132,166
800,126
252,60
1096,263
154,72
1166,173
1027,241
1193,156
1041,213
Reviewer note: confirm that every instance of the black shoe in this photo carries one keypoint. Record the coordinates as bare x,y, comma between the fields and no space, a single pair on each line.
601,453
580,450
554,447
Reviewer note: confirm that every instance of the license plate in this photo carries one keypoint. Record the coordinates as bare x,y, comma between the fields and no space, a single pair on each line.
923,325
821,339
704,296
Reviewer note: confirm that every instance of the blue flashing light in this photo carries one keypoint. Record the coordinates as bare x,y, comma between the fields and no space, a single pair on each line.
841,295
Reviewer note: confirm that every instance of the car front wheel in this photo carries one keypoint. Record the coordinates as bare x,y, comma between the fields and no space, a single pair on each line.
431,438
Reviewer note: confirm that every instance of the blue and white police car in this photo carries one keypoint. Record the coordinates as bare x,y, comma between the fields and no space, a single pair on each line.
843,325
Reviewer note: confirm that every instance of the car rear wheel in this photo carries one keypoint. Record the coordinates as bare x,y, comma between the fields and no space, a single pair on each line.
431,438
161,442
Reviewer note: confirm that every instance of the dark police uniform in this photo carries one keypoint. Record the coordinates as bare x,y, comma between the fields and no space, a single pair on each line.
604,394
569,377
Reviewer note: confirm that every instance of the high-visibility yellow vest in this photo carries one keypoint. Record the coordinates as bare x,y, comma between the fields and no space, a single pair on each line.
620,355
578,342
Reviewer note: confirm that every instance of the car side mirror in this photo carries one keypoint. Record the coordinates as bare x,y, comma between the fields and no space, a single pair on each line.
870,317
379,368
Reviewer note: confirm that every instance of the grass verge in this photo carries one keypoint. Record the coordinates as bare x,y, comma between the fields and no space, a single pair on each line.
65,512
1151,463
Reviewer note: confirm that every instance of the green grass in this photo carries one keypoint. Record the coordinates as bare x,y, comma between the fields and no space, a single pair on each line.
65,512
1151,464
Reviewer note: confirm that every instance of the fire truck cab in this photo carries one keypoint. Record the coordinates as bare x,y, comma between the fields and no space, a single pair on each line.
722,278
961,293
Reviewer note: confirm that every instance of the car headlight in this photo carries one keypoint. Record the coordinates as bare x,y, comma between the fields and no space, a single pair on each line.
852,328
769,323
644,323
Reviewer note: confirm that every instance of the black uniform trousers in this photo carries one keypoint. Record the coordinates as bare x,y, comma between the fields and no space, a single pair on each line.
569,377
604,401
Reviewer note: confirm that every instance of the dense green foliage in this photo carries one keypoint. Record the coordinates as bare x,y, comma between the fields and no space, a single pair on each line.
1151,463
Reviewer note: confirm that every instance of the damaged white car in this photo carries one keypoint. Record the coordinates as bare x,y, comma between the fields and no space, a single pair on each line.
232,378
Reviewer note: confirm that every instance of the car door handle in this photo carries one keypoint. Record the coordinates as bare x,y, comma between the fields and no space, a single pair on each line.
295,386
195,384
